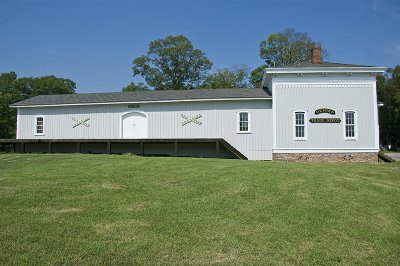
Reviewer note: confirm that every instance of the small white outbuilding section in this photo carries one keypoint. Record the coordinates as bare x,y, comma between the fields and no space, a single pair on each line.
242,117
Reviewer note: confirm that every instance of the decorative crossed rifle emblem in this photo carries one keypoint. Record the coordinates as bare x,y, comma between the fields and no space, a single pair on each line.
193,119
81,122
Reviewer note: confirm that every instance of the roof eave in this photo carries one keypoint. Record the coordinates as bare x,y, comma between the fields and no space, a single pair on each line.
141,102
317,70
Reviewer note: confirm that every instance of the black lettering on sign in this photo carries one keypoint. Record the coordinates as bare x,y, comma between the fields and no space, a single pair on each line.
325,120
325,111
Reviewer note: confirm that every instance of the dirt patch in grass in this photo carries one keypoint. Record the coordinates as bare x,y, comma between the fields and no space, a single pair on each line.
125,231
54,210
108,186
140,206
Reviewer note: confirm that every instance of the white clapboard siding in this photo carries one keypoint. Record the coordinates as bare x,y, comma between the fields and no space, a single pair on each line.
337,93
218,118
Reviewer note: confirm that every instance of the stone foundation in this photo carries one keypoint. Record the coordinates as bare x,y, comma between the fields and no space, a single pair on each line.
356,157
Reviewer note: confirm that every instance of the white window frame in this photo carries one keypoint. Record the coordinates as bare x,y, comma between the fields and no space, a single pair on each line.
305,125
355,124
238,122
35,125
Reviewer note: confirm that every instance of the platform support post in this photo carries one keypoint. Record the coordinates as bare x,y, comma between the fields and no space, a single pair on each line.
217,149
49,147
141,148
109,147
78,147
176,148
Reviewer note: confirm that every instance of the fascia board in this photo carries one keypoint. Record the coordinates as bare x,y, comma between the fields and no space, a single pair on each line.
311,70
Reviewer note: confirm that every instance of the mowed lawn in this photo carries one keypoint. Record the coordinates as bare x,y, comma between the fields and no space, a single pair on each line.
121,209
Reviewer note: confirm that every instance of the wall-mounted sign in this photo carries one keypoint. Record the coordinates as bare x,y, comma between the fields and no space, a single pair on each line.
83,122
325,120
134,106
325,111
192,119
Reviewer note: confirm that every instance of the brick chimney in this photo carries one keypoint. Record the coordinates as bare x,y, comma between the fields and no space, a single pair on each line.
316,54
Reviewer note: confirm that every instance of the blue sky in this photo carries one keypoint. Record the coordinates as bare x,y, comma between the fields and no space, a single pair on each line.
94,42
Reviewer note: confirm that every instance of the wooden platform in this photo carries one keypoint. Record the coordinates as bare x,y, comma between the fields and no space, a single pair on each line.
18,145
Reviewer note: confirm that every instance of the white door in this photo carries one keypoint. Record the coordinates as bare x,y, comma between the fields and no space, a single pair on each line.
134,126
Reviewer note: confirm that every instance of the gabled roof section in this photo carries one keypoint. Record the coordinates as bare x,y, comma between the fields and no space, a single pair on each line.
144,96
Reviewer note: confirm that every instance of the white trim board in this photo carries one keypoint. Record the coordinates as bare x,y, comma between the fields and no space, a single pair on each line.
238,122
121,118
376,116
322,69
18,126
140,102
355,138
273,117
294,125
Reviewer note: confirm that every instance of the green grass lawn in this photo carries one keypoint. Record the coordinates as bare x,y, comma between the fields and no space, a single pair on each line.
121,209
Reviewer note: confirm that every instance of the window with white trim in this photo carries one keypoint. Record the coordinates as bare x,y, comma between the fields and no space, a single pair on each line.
243,122
350,124
300,125
39,125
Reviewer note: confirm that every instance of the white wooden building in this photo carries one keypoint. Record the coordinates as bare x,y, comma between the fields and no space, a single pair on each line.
313,111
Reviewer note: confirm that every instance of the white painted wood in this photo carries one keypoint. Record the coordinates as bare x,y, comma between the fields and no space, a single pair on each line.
376,117
17,136
325,70
271,122
219,120
339,93
305,125
355,125
134,125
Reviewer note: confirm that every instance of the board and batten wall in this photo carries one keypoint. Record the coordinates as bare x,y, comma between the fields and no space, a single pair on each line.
218,118
340,93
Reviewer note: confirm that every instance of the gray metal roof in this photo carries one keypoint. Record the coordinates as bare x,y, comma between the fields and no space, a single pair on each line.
323,64
143,96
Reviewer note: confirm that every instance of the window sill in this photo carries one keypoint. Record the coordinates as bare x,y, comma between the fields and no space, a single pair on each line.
300,139
350,139
243,132
39,134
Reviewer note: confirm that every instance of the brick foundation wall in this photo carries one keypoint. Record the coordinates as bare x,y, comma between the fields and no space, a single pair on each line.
358,157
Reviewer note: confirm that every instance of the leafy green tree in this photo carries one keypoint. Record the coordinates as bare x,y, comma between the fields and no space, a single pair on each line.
44,86
133,87
228,78
172,64
13,89
256,76
287,47
388,87
7,96
284,48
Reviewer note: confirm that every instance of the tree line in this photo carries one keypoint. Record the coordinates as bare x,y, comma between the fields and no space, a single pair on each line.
173,63
14,89
388,86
